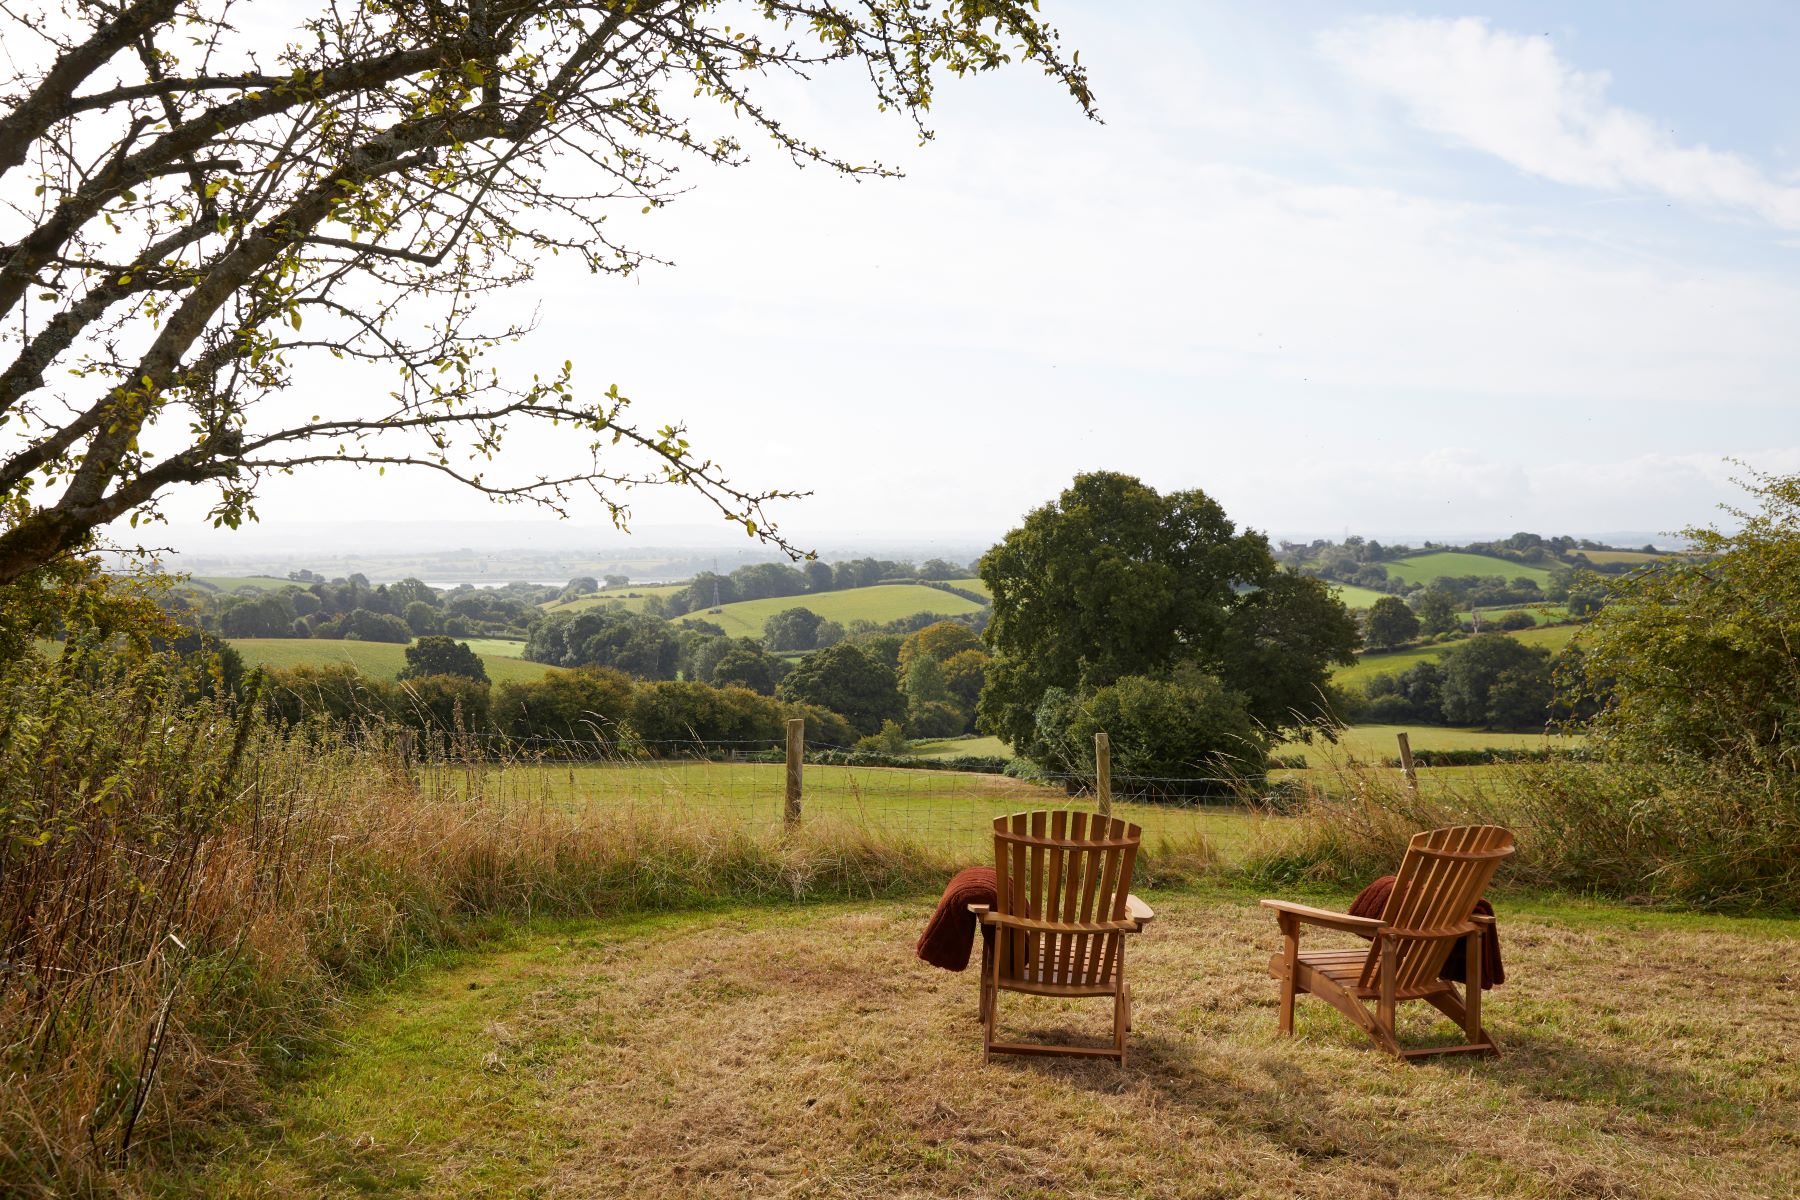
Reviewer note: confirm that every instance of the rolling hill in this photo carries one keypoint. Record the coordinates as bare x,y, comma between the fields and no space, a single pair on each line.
1550,637
1353,596
1423,568
631,597
881,603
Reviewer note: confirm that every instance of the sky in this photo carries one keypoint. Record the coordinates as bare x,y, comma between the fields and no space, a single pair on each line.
1431,271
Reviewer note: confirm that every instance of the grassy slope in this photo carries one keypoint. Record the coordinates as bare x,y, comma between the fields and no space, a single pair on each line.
1551,637
380,659
971,585
1371,743
804,1051
955,747
881,603
631,597
241,583
1423,568
1355,597
1602,557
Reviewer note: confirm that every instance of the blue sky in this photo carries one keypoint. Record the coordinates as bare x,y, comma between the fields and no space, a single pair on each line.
1433,270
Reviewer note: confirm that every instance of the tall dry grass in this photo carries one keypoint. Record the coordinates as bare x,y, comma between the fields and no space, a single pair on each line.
187,893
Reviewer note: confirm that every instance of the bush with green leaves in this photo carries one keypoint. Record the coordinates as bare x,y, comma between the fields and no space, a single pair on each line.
439,655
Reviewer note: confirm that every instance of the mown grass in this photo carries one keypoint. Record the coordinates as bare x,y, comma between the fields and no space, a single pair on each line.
806,1052
383,660
881,603
1392,662
1423,568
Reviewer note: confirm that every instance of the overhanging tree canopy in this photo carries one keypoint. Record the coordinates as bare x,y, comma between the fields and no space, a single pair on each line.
185,219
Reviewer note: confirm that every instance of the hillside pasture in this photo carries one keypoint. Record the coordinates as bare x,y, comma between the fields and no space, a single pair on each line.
881,603
378,660
229,584
957,747
631,597
971,585
1423,568
1355,597
1550,637
1375,743
1609,558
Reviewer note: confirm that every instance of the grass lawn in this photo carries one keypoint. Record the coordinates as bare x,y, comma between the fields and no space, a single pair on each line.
1423,568
1355,597
1391,662
943,810
805,1052
382,660
988,747
882,603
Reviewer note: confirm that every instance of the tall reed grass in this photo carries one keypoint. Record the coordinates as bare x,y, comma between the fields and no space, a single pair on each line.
186,893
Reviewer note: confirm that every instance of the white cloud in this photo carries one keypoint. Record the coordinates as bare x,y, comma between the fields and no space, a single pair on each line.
1512,96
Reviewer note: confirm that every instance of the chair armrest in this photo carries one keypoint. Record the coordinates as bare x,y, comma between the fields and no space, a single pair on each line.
1138,911
1343,922
1123,925
1484,922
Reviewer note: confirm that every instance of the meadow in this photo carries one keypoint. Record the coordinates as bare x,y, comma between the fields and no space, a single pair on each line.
1368,665
1423,568
383,660
632,597
881,603
1602,558
956,747
238,583
1376,743
1353,596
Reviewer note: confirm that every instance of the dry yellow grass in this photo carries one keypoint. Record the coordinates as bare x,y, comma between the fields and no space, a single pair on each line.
805,1052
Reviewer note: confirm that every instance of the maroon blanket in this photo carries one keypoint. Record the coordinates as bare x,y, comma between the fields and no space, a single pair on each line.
1372,899
950,934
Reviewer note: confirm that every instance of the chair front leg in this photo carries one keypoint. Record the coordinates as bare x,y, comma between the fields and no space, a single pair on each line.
1290,959
1472,954
1384,1004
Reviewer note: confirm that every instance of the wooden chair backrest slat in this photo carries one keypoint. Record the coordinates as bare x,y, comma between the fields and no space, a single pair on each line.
1443,874
1062,867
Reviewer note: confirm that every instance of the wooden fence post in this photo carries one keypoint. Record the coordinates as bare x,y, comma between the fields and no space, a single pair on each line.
796,758
1103,773
1406,763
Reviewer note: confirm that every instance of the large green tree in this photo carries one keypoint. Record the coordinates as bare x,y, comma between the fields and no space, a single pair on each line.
1114,580
199,203
1391,622
856,685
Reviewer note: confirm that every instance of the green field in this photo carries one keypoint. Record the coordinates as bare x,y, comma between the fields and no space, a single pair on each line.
971,585
1611,557
1543,614
631,597
985,747
240,583
944,810
381,660
1550,637
882,603
1355,597
1371,743
1423,568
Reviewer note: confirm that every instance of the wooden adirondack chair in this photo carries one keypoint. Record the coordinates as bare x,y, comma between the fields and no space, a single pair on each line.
1430,911
1060,919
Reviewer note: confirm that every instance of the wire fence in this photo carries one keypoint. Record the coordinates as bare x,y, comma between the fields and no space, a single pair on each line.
744,784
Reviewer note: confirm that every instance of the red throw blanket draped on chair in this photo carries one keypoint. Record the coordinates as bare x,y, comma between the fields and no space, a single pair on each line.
949,936
1372,899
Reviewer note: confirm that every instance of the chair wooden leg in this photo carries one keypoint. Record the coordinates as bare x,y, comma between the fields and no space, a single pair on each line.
1121,1008
1472,987
1290,958
1384,1004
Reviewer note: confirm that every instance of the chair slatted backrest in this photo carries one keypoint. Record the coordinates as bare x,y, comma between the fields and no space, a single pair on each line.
1444,873
1069,868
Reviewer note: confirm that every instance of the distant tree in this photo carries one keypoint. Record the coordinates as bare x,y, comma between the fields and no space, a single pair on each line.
423,619
1160,730
1436,611
964,675
360,624
924,683
263,615
749,667
940,641
829,633
1514,621
1114,580
818,576
842,678
606,637
937,568
1473,669
889,739
438,655
412,591
617,581
1391,623
792,629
